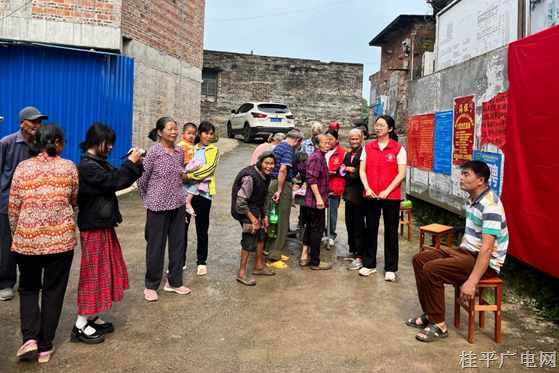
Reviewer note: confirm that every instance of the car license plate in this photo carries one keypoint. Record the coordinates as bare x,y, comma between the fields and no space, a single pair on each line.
275,120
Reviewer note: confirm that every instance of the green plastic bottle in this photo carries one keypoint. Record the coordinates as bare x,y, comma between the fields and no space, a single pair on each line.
273,222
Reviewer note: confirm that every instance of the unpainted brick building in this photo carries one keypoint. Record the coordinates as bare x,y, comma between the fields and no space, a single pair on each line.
403,44
164,37
314,90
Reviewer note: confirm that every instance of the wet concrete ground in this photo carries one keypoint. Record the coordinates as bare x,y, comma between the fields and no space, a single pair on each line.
297,321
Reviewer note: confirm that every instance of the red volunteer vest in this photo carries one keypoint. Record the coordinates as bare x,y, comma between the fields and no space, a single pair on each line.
382,167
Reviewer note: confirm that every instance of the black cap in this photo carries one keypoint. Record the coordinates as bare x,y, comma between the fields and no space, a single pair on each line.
31,113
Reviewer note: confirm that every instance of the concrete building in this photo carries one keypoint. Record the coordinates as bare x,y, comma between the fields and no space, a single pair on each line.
314,90
404,43
165,38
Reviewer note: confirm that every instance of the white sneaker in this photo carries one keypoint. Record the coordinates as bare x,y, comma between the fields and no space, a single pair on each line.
202,270
331,242
356,264
364,271
6,294
390,276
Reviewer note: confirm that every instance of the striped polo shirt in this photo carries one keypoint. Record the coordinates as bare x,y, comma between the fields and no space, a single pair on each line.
486,215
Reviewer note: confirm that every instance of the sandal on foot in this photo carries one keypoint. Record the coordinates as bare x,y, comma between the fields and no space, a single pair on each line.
264,271
245,280
44,357
413,322
28,351
431,333
304,262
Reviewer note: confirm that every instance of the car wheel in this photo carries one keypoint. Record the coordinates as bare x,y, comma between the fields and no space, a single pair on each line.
230,133
247,133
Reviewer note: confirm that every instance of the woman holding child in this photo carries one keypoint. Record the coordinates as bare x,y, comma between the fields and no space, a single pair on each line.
161,188
200,184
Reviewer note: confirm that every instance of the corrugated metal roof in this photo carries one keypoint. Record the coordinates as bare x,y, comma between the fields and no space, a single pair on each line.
74,88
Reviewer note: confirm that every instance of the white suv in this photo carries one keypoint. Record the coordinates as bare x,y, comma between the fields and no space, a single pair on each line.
254,119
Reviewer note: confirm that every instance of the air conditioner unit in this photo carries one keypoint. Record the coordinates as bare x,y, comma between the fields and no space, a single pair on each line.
427,63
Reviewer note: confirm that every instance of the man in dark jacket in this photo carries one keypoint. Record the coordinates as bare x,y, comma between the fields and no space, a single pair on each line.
353,197
14,149
248,206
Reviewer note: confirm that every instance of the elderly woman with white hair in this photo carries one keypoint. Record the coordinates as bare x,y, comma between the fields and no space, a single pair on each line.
353,197
310,145
266,146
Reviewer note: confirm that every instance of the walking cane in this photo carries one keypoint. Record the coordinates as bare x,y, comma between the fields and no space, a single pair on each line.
327,227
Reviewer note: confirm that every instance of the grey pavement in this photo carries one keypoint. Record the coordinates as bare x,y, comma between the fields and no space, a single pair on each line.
297,321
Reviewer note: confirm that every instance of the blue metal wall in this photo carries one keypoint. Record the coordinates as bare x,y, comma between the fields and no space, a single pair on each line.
74,88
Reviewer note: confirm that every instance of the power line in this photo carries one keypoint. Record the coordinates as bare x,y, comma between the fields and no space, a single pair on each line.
16,10
295,11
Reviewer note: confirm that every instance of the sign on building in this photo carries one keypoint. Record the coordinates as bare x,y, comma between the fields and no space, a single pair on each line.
543,14
469,28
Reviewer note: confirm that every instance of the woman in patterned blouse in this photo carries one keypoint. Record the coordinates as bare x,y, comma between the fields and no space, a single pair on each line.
161,190
42,218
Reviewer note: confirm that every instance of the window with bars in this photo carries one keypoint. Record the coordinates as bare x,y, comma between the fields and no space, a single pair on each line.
209,82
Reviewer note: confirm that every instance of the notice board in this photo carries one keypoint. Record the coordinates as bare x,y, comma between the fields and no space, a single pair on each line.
470,28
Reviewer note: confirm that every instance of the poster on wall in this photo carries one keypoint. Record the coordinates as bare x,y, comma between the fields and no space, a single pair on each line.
442,147
494,120
464,126
494,161
420,141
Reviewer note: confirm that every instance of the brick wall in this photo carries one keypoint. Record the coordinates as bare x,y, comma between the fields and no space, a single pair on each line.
76,23
174,27
394,75
313,90
163,86
96,12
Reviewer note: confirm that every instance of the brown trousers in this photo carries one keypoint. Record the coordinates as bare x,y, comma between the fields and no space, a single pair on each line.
433,269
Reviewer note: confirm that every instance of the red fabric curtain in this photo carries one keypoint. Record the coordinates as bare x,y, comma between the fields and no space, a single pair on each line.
531,178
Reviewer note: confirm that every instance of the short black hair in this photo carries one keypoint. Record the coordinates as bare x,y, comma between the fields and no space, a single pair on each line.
480,168
188,125
97,134
205,127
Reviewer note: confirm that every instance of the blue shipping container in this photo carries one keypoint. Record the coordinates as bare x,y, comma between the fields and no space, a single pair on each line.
74,88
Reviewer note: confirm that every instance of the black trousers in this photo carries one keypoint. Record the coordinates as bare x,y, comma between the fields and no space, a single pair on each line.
314,228
391,216
355,224
47,275
202,208
8,266
160,227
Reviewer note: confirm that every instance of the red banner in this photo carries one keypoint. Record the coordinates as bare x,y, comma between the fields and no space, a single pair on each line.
494,120
421,133
464,126
531,168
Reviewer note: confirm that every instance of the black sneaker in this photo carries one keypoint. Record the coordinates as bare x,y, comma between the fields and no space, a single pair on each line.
106,327
78,335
